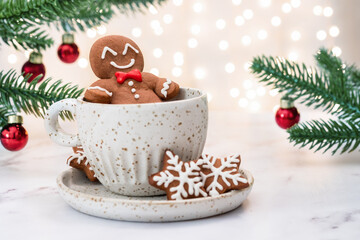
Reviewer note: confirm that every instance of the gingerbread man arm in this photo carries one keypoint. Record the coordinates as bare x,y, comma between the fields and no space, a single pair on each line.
98,92
164,88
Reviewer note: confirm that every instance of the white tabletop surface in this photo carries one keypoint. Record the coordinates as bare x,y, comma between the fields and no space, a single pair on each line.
297,194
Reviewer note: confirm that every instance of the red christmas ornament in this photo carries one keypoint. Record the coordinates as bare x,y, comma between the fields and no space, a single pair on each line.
34,66
68,51
287,115
14,136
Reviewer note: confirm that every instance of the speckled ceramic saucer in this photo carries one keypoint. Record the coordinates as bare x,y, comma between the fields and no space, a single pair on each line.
94,199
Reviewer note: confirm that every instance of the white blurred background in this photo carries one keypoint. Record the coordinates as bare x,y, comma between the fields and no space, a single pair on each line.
208,44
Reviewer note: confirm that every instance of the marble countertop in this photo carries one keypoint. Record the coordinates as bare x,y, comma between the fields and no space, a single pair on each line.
297,194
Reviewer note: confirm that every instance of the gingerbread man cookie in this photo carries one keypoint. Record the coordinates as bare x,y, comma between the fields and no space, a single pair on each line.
118,62
79,161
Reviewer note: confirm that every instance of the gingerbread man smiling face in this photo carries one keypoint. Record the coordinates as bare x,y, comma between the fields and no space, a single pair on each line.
118,62
114,53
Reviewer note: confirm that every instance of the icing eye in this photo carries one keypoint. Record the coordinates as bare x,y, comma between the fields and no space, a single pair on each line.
127,46
107,49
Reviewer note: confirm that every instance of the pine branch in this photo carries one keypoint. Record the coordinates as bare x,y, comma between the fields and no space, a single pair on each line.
34,39
33,98
16,8
335,87
326,135
335,68
331,65
23,16
314,87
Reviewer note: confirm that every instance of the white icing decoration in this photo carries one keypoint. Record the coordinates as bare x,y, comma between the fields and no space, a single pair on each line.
132,62
101,89
127,45
107,49
165,87
190,177
133,90
78,156
130,83
217,172
136,96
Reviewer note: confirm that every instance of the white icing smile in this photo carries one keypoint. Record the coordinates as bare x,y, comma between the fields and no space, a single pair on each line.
132,62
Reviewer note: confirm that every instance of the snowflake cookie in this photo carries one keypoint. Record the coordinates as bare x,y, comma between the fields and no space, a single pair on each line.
220,175
180,180
79,161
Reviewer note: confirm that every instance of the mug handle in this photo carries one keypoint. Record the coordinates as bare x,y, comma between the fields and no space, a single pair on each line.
52,125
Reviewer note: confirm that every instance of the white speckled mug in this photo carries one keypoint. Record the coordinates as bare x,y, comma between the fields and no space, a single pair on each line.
125,143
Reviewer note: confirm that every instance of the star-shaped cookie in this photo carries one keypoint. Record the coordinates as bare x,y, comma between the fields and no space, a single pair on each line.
79,161
221,174
180,180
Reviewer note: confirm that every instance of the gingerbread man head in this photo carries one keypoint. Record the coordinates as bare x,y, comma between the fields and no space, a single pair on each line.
115,53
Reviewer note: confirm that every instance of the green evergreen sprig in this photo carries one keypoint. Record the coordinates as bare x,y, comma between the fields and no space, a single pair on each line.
21,21
16,94
334,87
313,87
334,67
325,135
